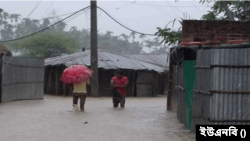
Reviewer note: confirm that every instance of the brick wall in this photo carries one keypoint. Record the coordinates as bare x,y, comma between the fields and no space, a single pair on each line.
222,31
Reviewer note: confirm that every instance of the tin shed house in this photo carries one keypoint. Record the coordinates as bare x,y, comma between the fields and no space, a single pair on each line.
146,73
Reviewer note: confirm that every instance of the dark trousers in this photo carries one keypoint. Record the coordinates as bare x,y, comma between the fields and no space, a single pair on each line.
118,98
121,100
82,100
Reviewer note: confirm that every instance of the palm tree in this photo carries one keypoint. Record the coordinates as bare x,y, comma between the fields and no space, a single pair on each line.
142,36
4,23
73,32
45,23
5,15
156,39
7,32
85,33
61,26
15,17
27,22
116,37
149,44
109,33
132,34
125,37
73,29
36,23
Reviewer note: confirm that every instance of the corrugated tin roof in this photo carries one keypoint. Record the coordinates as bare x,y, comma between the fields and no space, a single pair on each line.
159,59
108,60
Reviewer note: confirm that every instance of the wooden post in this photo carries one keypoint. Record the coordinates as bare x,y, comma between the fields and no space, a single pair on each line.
45,79
64,89
1,76
170,82
64,85
57,81
133,84
49,80
94,52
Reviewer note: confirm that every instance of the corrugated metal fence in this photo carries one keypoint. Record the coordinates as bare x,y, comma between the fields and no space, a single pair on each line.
181,106
221,94
222,89
22,78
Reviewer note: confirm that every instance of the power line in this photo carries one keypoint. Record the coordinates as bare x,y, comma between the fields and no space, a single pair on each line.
86,18
162,5
195,6
123,25
53,17
86,42
34,8
75,16
48,7
177,9
86,14
160,10
46,27
31,11
126,5
172,9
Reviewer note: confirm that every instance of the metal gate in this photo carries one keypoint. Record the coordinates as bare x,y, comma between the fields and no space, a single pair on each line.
21,79
145,84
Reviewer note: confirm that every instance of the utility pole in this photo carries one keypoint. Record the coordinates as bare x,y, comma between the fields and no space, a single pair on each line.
94,52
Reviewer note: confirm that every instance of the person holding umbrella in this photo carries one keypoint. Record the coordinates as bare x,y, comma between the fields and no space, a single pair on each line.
78,77
79,91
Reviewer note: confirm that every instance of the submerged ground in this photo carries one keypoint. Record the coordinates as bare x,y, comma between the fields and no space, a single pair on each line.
143,119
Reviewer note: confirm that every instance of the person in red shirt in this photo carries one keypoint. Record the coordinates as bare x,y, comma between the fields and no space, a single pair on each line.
119,84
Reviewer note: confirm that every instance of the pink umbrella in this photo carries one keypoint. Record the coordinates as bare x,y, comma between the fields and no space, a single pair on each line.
76,74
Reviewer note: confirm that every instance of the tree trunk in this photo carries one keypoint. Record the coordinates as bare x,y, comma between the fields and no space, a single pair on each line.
228,12
245,8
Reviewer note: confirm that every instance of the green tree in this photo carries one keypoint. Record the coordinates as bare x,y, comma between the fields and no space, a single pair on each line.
132,34
47,44
170,37
115,44
124,36
45,23
108,34
15,17
227,10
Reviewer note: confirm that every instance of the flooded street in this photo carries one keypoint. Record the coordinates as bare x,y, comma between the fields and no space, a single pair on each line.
143,119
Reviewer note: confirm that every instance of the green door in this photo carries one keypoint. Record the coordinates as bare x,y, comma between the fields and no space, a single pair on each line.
189,78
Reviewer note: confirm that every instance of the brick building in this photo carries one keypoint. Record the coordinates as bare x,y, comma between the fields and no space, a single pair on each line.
215,32
207,73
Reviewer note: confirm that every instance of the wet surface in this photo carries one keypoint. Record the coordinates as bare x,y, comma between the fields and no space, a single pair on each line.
51,119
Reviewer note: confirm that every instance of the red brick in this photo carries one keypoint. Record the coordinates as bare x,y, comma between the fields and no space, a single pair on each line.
215,30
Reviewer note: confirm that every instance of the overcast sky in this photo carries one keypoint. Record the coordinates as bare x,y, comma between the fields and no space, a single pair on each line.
142,16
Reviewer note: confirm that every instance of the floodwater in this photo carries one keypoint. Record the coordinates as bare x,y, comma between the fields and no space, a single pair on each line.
51,119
